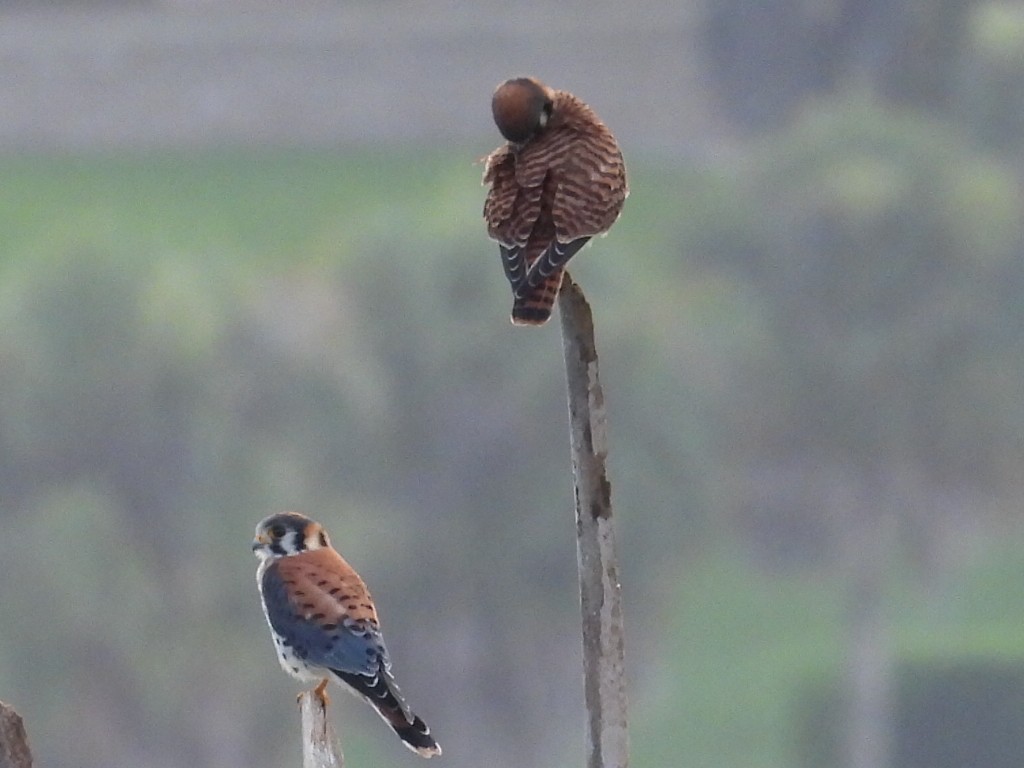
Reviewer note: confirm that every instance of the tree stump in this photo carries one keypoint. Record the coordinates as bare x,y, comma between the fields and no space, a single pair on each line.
14,750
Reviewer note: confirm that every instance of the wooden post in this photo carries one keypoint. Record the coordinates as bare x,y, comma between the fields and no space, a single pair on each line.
14,751
604,678
320,745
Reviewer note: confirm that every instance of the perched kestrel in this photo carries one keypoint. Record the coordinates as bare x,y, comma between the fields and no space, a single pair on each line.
324,624
558,181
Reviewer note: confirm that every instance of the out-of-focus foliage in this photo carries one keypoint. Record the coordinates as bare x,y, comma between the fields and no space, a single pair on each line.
185,360
979,722
768,58
827,315
738,654
157,400
883,429
890,270
988,100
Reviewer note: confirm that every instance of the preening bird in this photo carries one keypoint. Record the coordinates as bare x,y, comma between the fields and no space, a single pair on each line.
324,623
558,181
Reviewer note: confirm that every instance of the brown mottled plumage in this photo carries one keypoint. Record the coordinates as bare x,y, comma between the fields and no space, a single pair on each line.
558,181
323,585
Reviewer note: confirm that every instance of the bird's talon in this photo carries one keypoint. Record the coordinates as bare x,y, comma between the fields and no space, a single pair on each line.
321,693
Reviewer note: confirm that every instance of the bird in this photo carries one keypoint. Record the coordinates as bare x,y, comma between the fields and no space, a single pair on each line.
324,623
558,181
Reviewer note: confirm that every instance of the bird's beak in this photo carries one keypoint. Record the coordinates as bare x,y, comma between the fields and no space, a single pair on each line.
258,542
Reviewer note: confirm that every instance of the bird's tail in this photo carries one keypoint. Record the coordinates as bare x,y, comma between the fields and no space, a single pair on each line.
383,695
534,308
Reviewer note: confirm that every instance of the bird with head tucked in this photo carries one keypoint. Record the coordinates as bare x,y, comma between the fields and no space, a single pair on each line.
558,181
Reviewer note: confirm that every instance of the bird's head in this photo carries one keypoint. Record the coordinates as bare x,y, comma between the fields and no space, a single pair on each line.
522,108
288,533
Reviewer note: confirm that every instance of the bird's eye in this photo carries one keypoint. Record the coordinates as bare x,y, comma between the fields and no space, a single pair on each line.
278,531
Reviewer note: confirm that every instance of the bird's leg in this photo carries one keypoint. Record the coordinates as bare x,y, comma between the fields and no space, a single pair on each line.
321,693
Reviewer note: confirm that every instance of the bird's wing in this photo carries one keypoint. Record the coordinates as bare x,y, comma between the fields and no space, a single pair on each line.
324,612
587,186
510,212
590,187
499,175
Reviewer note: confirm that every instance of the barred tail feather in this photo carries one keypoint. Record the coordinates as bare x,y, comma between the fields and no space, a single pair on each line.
381,693
535,307
417,738
514,261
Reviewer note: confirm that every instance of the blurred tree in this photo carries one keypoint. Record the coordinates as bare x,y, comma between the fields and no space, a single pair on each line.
99,389
878,416
948,713
767,58
988,97
108,388
171,370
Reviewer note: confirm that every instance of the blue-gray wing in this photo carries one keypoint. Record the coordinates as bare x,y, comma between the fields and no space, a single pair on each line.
314,624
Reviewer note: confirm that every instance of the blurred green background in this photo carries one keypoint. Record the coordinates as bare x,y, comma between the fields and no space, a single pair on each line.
242,269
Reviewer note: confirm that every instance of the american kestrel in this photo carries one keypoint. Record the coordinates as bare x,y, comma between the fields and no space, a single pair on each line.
558,181
324,624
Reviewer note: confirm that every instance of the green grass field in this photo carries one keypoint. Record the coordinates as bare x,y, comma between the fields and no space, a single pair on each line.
740,650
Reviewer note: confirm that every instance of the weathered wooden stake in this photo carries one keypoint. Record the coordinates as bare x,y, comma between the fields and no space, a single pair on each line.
320,745
14,751
604,676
